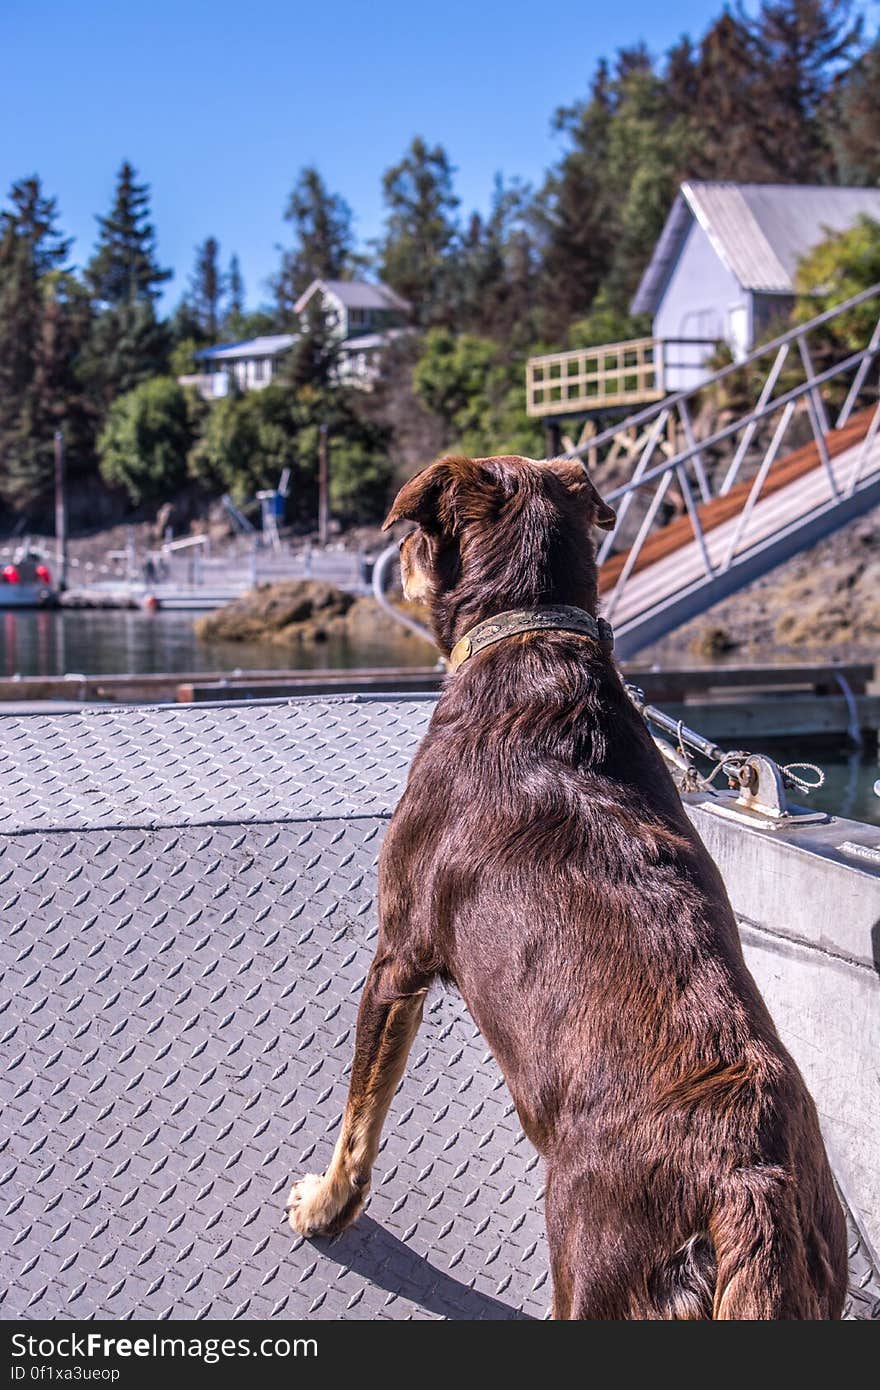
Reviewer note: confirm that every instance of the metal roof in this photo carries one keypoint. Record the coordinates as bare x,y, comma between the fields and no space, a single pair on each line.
267,345
759,231
355,294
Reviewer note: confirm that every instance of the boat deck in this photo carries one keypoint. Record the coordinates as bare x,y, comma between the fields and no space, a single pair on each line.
189,910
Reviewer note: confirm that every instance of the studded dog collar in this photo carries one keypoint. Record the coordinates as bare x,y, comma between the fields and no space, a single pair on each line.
550,618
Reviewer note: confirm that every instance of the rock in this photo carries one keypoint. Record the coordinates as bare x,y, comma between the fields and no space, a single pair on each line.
296,611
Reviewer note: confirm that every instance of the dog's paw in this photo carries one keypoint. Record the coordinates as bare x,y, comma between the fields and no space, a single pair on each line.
317,1207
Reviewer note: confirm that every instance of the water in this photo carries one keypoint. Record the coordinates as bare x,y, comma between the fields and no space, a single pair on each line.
105,642
53,643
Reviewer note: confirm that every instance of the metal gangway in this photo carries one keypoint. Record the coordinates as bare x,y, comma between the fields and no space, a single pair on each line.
708,510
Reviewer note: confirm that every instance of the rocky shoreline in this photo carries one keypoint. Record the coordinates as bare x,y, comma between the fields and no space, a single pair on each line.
296,612
824,604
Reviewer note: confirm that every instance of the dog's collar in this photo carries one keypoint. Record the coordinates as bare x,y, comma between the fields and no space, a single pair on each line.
547,618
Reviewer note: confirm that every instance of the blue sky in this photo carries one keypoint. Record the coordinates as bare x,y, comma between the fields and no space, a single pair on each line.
218,105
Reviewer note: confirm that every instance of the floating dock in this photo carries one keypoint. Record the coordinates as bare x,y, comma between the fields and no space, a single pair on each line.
189,910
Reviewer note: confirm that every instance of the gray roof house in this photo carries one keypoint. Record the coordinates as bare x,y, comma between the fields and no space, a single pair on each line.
251,363
364,317
722,271
725,263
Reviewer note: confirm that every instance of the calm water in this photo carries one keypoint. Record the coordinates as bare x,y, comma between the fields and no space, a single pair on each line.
101,643
104,642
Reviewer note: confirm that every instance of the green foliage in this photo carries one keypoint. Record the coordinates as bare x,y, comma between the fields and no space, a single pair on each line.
606,324
182,357
837,269
144,444
246,443
248,440
420,228
312,358
43,318
206,289
494,263
469,385
323,246
852,120
127,344
235,306
124,266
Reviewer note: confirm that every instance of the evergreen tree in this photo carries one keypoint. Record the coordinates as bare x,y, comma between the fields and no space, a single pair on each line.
851,119
575,214
124,267
42,321
802,45
323,245
128,343
732,135
235,310
313,357
603,208
420,230
496,264
206,289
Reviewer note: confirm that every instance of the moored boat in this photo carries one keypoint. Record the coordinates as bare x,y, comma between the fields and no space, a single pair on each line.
26,581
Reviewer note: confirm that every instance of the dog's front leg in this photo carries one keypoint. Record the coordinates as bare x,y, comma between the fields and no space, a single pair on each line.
388,1019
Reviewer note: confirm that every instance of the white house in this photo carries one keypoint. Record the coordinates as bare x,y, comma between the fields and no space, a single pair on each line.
722,272
723,269
363,317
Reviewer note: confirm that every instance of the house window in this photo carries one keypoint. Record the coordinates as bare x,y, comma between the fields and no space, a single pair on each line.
358,318
259,370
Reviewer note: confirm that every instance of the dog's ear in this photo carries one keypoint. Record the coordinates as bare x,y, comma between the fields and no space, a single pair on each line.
444,496
418,499
577,480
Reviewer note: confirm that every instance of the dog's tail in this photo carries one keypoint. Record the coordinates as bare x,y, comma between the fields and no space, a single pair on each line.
762,1263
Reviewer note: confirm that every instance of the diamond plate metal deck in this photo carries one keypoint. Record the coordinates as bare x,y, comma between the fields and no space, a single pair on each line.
188,909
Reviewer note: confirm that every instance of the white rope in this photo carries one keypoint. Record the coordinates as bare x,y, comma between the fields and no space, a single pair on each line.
800,782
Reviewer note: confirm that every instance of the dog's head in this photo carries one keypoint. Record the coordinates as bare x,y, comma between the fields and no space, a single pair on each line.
498,533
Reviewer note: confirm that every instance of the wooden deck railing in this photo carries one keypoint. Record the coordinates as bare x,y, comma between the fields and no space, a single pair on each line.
612,374
562,383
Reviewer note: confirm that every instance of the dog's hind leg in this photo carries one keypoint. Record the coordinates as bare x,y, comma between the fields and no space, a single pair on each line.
762,1265
388,1020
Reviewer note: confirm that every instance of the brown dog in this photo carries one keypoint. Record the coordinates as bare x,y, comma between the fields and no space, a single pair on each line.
541,860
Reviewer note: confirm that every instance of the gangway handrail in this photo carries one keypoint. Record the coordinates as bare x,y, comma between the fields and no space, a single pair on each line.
644,416
753,416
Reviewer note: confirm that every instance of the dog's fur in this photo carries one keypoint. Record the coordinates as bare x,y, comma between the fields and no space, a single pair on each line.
540,859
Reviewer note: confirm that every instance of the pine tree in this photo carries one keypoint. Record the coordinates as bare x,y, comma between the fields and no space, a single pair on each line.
207,287
323,246
124,267
420,230
575,214
851,120
128,343
312,359
802,45
42,321
727,112
495,267
235,291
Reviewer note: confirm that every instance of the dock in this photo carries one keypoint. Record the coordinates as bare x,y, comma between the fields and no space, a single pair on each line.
190,906
734,702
